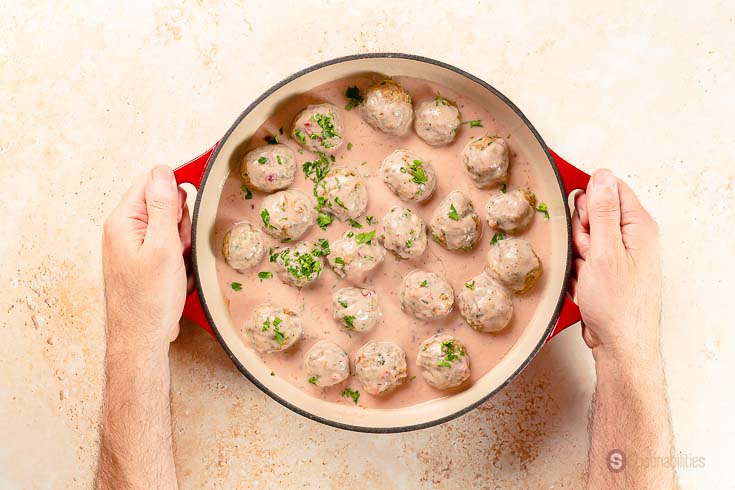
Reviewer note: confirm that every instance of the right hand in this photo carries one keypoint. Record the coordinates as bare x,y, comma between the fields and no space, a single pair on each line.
617,280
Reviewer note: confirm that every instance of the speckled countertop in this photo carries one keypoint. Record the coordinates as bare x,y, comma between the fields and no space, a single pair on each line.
95,94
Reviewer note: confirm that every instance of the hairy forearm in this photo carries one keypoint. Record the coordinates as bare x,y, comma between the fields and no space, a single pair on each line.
631,427
136,448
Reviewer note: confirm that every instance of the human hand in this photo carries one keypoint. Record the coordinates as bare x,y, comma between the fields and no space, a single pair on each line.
143,246
617,280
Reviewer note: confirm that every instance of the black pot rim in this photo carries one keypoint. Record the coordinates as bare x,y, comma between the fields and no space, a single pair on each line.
286,403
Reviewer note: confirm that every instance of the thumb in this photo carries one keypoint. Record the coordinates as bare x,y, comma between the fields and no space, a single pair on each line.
603,208
162,204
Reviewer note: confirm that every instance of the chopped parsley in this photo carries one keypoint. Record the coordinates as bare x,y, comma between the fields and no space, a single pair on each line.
470,285
439,100
321,249
350,393
299,135
265,275
504,188
316,170
476,123
266,217
339,202
452,214
366,237
343,304
355,224
417,172
267,324
496,238
339,261
324,220
277,321
248,192
354,98
301,265
424,283
327,124
314,380
278,159
409,243
543,208
236,286
349,146
262,160
451,353
280,336
271,140
369,220
349,322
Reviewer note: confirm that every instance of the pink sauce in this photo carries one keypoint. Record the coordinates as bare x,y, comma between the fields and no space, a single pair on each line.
313,303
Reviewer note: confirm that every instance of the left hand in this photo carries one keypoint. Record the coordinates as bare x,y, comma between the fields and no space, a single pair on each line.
144,242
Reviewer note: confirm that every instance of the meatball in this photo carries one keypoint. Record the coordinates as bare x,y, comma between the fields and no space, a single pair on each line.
444,361
300,265
485,304
326,364
408,176
287,214
318,128
242,246
511,212
269,168
514,263
486,160
426,295
387,107
403,233
436,121
355,253
380,366
455,225
272,328
343,193
357,309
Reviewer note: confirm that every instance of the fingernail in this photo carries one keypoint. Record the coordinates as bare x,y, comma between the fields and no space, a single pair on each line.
163,174
604,179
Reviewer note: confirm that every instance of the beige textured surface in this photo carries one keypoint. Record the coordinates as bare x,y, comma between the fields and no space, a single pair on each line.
92,95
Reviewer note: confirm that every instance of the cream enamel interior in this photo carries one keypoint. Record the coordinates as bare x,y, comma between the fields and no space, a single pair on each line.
357,417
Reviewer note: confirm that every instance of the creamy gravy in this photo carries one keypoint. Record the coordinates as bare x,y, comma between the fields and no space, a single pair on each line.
313,303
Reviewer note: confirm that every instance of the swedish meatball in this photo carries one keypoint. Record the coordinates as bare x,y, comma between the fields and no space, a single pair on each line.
355,253
356,309
343,192
387,107
511,212
287,214
486,160
403,232
444,361
269,168
326,364
300,265
408,176
455,225
380,366
436,121
243,246
271,328
515,264
485,304
318,128
426,295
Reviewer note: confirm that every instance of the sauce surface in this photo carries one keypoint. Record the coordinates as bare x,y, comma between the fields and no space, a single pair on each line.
313,303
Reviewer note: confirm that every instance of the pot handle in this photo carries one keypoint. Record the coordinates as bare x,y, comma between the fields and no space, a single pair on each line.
573,179
191,173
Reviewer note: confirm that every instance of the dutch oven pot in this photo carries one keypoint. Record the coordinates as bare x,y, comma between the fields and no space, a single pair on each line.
555,311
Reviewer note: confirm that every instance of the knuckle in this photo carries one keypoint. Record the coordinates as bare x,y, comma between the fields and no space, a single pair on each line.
161,203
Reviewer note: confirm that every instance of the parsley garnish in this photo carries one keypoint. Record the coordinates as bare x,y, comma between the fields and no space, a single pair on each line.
299,135
452,214
349,146
543,208
417,171
339,202
339,261
343,303
262,160
316,170
349,322
424,283
248,193
350,393
451,353
266,325
327,125
354,98
470,285
271,140
322,248
496,238
277,321
366,237
369,220
504,188
439,100
236,286
280,336
265,275
266,217
278,159
409,242
314,379
476,123
324,220
355,224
